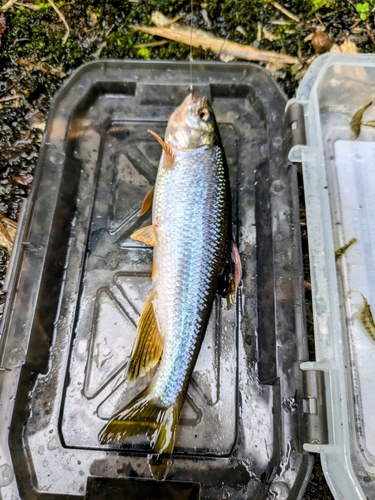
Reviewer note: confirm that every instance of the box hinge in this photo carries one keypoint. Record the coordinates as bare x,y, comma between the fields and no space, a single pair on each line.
314,407
295,124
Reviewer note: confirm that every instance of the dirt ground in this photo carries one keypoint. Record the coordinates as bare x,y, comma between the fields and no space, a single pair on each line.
42,43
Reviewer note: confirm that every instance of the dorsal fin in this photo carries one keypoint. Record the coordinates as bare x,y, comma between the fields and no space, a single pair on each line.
169,156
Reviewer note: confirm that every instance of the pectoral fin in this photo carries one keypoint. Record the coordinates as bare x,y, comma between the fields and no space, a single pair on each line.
231,276
148,235
147,202
148,345
169,156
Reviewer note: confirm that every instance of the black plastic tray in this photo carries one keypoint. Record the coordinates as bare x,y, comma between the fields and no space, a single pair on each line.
79,282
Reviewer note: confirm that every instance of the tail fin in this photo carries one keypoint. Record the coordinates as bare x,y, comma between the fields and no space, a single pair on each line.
144,416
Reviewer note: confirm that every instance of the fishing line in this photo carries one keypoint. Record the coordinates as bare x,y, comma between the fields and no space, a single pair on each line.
191,45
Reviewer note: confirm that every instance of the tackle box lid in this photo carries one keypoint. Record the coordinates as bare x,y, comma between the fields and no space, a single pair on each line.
338,161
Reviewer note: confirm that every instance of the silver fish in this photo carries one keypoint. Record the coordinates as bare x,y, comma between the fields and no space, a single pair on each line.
193,254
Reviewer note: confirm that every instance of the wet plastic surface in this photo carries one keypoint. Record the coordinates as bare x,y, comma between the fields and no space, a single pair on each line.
79,284
339,180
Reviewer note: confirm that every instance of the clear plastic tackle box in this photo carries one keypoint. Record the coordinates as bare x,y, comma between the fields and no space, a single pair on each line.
256,405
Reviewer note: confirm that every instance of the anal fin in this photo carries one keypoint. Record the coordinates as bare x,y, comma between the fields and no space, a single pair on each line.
148,345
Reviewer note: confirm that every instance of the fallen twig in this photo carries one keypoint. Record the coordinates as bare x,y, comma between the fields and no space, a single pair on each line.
151,44
12,98
358,21
369,32
30,6
222,47
286,12
280,22
7,5
41,66
61,15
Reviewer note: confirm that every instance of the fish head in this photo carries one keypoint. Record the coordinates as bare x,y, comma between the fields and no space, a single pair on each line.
192,125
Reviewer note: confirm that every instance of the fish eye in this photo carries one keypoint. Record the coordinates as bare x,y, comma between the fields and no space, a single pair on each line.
205,114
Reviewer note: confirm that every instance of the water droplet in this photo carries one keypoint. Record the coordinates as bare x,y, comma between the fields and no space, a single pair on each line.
53,443
6,475
57,157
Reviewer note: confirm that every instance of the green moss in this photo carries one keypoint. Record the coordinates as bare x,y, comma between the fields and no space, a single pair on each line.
144,53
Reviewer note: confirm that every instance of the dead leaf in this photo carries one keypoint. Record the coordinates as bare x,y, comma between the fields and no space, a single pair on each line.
23,180
39,126
355,123
226,58
306,285
270,36
241,30
3,25
274,67
8,228
161,21
347,46
35,117
206,19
